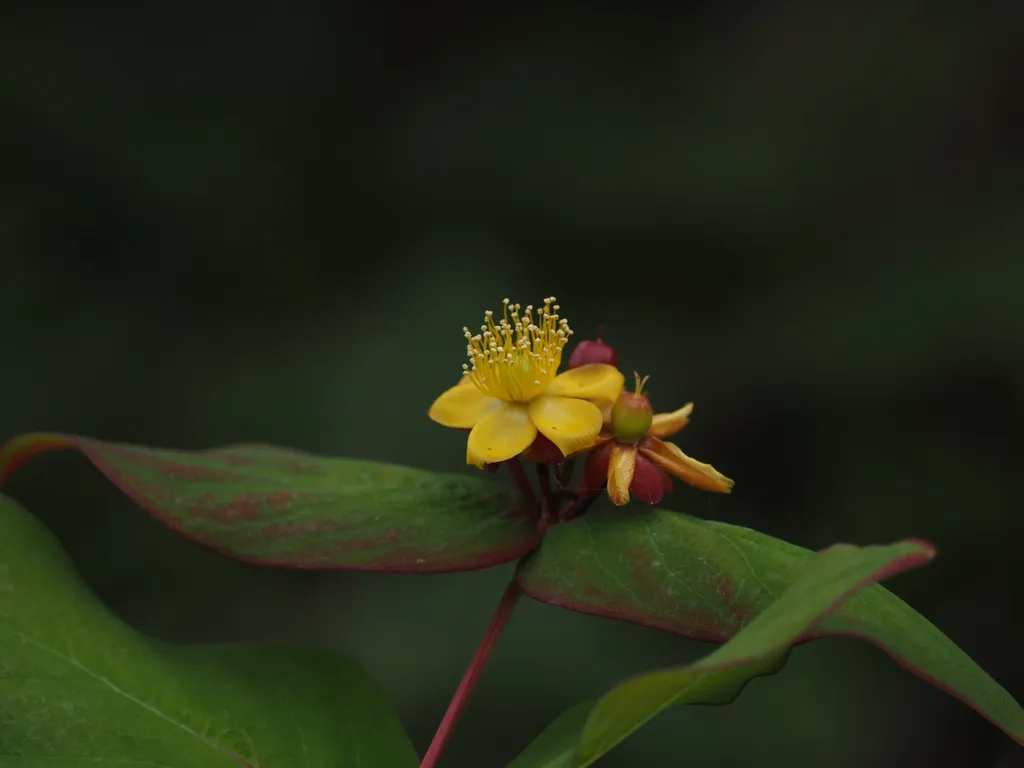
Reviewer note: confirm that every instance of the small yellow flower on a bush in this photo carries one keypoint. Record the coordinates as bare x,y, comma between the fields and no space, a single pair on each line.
511,388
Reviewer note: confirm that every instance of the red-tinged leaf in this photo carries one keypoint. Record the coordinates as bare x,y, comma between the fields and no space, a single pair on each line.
278,507
709,580
588,731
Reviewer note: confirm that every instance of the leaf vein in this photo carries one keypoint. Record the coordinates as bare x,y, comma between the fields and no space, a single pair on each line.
134,699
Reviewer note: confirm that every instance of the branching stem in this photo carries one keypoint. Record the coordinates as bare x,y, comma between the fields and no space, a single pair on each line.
578,507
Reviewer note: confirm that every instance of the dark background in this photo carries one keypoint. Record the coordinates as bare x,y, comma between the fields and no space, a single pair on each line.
271,226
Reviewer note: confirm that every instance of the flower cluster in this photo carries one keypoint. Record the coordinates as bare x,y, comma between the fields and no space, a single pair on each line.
514,403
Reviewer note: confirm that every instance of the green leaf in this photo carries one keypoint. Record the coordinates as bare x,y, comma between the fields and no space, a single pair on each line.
761,648
556,745
80,688
709,580
277,507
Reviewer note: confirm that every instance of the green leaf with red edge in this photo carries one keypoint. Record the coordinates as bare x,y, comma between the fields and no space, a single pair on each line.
586,732
80,688
278,507
709,580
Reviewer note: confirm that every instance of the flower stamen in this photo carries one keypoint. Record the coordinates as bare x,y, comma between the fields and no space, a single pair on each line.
515,358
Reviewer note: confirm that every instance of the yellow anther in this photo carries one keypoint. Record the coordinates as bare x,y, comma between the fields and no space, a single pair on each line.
522,350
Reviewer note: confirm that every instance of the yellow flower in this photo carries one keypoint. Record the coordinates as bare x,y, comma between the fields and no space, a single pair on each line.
511,388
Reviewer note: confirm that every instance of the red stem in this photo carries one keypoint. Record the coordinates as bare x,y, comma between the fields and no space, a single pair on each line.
523,484
548,504
472,674
578,507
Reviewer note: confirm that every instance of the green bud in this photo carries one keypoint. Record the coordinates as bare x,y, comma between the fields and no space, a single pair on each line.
632,413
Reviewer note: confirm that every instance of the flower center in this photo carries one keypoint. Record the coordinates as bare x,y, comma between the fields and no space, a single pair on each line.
515,359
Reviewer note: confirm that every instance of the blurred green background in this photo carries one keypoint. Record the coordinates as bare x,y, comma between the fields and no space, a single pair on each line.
271,225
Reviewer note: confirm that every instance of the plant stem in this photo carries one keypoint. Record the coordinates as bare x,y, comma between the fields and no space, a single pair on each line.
472,674
548,504
578,507
523,484
565,473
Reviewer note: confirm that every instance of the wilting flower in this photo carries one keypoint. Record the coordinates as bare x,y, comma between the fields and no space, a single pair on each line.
511,388
630,453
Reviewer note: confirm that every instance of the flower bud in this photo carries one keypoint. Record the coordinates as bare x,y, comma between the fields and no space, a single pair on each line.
589,352
632,413
649,484
595,469
543,451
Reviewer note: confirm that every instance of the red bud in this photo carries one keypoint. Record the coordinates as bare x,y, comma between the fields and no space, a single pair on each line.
589,352
649,482
595,470
543,451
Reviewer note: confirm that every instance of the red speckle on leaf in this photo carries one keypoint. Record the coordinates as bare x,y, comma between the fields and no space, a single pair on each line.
202,503
398,560
293,530
363,544
695,624
244,508
642,565
282,499
158,493
182,509
724,588
739,612
146,460
185,472
592,593
238,461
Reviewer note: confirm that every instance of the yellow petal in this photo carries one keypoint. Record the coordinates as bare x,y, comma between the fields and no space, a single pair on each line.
621,465
675,462
600,440
667,424
592,382
462,406
568,422
500,435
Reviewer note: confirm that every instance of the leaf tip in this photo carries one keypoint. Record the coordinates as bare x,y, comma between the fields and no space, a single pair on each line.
926,549
19,450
